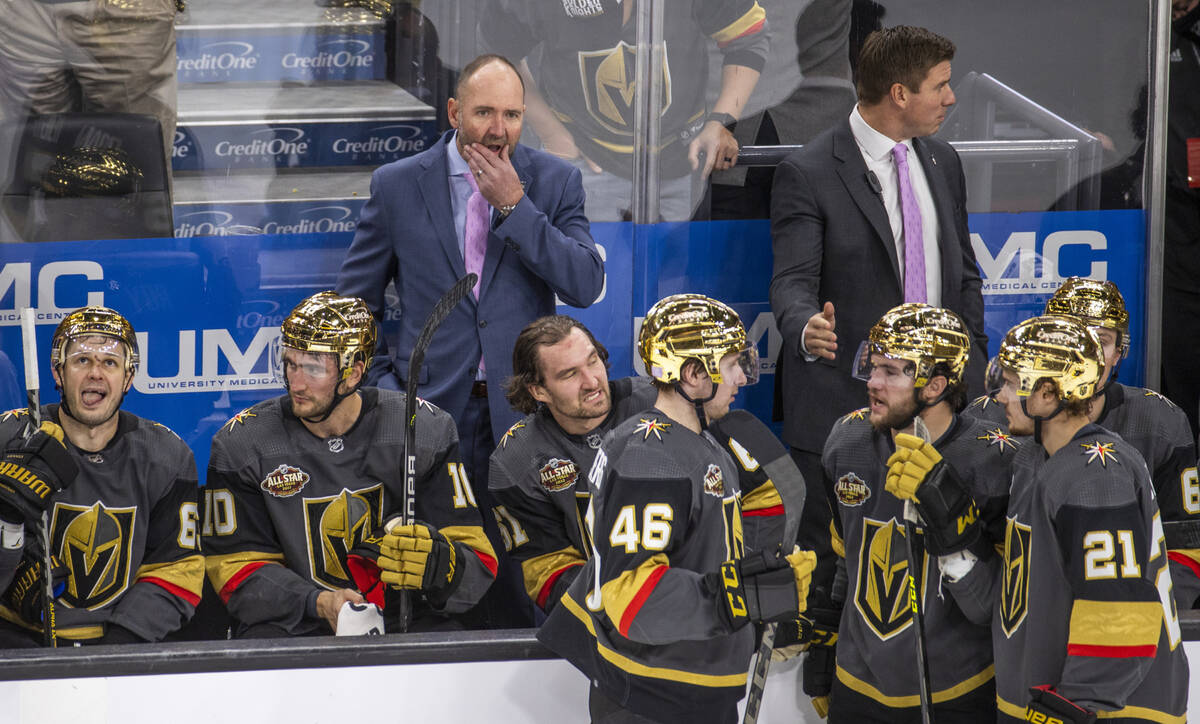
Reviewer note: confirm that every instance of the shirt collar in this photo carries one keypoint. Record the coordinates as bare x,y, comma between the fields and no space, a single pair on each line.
456,164
874,144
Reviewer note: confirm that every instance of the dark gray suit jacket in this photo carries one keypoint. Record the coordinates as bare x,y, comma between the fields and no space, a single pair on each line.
832,242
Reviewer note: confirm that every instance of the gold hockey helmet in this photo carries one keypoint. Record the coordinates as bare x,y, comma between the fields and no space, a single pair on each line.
1058,348
326,322
692,326
90,321
921,334
1096,304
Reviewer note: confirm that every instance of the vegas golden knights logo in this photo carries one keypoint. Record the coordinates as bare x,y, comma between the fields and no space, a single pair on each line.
1014,585
334,526
881,595
96,544
735,545
609,79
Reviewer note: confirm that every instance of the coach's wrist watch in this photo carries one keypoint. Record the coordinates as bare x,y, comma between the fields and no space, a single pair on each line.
724,119
506,209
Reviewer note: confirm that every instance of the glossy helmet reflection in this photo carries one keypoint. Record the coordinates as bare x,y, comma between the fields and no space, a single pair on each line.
692,326
90,321
923,335
1095,303
326,322
1061,349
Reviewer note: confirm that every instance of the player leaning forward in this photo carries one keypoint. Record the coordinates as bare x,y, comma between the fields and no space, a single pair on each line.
125,531
659,616
1079,601
314,480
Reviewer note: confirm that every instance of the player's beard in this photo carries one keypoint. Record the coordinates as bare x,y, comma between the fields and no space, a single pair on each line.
895,417
584,410
311,407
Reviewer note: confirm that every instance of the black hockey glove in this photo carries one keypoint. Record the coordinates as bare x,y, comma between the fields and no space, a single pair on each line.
1047,707
418,556
917,472
25,593
32,471
763,587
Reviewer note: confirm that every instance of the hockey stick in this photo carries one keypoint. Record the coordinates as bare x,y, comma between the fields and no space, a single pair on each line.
790,485
914,565
33,391
408,501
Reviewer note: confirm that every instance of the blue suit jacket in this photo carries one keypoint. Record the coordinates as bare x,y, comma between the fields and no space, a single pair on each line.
406,234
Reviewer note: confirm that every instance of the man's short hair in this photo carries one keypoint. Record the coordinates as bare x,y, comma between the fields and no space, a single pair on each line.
471,68
527,370
903,54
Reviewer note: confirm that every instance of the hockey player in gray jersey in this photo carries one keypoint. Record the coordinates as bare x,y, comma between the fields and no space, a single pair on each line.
538,472
126,531
912,362
658,617
1079,602
304,491
1149,422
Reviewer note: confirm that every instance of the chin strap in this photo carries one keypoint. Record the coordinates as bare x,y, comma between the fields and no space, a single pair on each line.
1039,419
699,403
337,399
921,406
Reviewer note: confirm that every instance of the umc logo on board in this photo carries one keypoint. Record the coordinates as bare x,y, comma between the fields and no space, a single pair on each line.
1018,267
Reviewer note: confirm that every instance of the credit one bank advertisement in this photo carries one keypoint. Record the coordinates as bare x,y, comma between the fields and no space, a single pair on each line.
207,308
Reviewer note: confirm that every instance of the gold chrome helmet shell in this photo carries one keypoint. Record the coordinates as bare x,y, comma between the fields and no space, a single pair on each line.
1097,304
923,335
692,326
90,321
1062,349
326,322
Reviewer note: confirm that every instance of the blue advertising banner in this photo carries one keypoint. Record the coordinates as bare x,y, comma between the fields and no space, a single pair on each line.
278,217
259,145
216,57
207,308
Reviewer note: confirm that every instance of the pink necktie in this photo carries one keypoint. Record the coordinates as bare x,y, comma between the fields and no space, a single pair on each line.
475,231
914,239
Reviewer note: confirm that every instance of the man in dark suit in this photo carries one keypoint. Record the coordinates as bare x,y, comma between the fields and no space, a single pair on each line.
852,237
426,226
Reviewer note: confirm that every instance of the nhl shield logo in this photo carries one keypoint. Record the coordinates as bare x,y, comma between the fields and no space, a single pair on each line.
558,475
851,490
1014,584
714,483
284,481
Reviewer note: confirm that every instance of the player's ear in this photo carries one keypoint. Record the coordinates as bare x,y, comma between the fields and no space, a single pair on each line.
357,370
452,111
538,393
934,387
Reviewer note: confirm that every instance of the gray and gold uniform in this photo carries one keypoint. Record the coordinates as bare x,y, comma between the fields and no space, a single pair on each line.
875,649
642,620
127,531
538,479
1159,431
284,509
1080,598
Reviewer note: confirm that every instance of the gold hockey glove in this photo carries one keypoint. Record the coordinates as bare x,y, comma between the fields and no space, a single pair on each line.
418,556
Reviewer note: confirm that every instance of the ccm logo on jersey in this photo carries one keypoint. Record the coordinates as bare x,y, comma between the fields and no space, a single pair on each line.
284,481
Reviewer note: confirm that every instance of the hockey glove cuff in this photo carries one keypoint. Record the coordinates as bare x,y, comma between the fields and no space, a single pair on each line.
758,588
33,471
1047,707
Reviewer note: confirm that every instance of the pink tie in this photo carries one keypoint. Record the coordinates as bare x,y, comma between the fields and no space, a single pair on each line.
914,239
475,234
475,231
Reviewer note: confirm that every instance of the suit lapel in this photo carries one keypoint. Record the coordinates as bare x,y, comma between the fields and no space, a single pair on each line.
853,172
496,248
943,201
435,192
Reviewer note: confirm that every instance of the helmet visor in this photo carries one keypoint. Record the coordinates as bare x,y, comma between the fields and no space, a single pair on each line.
288,361
994,378
895,371
748,361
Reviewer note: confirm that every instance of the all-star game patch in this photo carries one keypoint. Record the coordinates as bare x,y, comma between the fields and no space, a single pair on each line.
714,482
558,475
851,490
284,481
